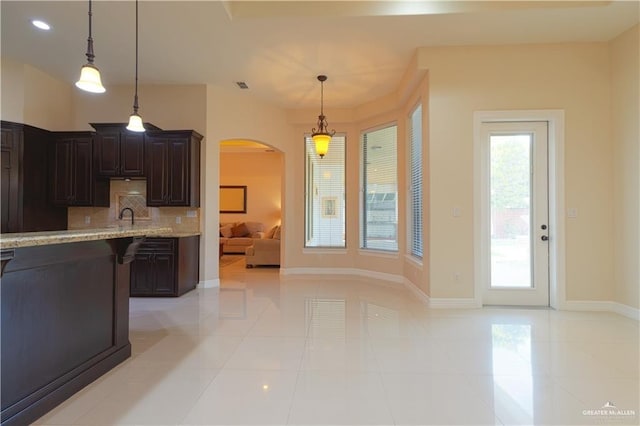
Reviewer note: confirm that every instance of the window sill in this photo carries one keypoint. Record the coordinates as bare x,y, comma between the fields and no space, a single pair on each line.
323,250
378,253
413,260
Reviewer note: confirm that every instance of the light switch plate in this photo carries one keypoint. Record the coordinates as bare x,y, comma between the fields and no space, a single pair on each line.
572,212
192,213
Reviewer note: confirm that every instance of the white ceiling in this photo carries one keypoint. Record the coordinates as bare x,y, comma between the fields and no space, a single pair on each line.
278,48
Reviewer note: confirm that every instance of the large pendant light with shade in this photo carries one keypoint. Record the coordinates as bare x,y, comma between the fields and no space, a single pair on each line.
89,74
135,121
321,136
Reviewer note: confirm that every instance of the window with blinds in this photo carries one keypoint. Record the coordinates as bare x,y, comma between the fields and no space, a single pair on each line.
325,195
379,218
415,182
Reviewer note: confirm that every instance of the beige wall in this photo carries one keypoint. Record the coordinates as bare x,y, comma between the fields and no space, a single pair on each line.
262,174
170,107
12,91
47,100
33,97
571,77
625,117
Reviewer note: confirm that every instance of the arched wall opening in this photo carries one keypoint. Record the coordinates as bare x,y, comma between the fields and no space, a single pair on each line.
259,168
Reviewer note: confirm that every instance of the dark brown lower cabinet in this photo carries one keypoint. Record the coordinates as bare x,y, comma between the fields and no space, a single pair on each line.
166,267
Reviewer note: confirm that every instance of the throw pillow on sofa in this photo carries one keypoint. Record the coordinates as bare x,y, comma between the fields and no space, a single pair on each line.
225,231
271,232
255,228
276,233
240,230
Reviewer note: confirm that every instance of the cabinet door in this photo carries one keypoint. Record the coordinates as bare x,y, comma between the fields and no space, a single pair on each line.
62,172
179,172
157,171
142,274
107,153
9,180
131,154
164,269
82,177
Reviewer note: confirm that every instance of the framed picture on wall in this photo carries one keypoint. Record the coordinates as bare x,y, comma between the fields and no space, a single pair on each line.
329,207
233,198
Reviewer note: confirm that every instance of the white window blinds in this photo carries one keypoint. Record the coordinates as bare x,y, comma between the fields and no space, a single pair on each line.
379,218
415,182
325,195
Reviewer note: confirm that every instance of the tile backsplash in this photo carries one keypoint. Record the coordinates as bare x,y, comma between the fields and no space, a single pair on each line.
133,194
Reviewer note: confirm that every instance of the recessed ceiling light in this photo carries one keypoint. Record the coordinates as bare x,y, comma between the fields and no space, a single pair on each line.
41,24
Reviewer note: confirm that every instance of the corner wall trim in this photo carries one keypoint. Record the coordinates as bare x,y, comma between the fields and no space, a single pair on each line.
424,298
215,283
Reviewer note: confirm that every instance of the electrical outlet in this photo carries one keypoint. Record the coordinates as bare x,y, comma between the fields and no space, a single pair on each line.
178,219
456,277
192,213
87,219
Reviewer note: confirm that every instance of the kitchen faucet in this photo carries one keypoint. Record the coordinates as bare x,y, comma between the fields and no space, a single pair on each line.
122,214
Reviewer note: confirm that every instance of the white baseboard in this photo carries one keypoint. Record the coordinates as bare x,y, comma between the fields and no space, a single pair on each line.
627,311
215,283
453,303
587,305
344,271
598,306
424,298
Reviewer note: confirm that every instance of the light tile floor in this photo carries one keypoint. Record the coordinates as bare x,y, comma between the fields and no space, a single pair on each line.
266,349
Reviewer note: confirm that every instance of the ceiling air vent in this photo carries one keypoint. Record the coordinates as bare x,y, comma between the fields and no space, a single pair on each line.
242,84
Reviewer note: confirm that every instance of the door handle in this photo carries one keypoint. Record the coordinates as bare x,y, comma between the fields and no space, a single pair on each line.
544,238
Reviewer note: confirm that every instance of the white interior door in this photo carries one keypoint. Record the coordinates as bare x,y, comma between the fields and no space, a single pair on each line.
515,213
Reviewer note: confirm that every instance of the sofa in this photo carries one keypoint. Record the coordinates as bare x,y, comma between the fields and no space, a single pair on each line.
265,251
237,236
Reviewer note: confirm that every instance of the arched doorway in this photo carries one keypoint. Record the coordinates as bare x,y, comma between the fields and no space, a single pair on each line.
253,171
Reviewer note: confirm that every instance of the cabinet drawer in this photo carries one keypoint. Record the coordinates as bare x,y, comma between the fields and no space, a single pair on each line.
158,244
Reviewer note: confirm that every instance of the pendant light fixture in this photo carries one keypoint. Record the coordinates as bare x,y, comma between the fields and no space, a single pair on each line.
321,136
89,74
135,121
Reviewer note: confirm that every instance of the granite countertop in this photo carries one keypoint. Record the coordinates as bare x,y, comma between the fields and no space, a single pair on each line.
28,239
178,234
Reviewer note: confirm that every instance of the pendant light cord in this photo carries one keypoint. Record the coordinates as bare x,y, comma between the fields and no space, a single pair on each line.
90,54
90,16
135,98
322,98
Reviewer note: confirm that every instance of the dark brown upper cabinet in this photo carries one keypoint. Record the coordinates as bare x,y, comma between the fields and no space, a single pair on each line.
117,152
72,177
25,202
173,168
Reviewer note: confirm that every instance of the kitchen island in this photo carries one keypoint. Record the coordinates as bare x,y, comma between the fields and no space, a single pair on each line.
64,313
